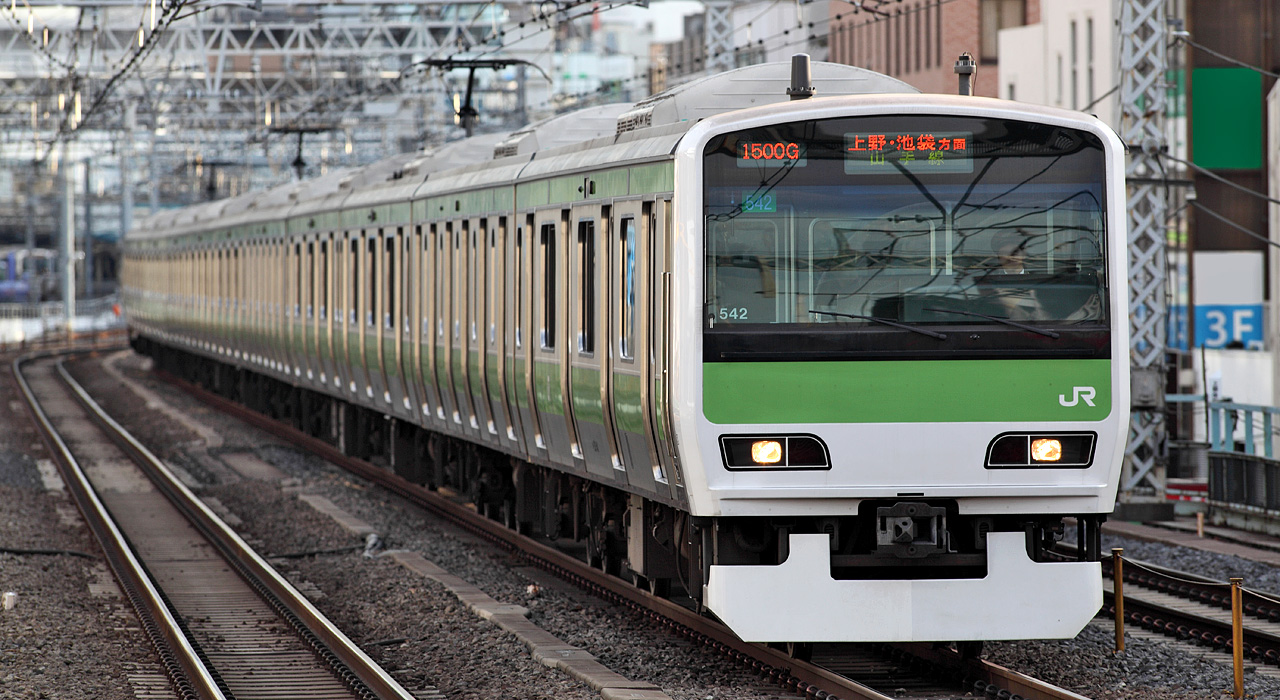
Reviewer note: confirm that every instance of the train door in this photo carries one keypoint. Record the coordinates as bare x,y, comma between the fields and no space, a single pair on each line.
371,321
255,291
429,285
410,319
238,332
551,365
295,354
324,312
520,344
496,368
215,334
269,266
588,346
338,310
277,324
198,315
463,344
477,332
628,300
447,324
355,301
310,353
390,395
658,414
283,327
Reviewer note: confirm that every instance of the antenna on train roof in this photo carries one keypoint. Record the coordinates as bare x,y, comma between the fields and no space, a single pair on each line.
966,68
801,78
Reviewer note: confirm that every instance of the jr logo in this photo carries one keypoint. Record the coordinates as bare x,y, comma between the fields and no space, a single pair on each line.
1077,393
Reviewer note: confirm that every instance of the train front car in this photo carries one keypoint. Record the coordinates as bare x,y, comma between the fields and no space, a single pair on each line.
901,362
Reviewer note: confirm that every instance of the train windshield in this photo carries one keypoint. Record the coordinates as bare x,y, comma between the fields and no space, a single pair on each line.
918,220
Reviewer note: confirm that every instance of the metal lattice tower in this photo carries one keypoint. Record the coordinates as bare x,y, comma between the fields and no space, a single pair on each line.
719,30
219,82
1143,62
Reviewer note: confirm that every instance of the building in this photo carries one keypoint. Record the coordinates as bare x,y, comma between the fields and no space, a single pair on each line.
1069,59
918,41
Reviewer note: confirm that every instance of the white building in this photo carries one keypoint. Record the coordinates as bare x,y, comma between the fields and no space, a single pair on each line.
1069,60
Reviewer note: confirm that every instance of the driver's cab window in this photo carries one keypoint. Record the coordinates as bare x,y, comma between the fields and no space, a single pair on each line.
749,270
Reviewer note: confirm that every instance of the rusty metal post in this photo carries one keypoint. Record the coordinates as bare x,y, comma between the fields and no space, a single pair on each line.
1237,637
1199,524
1117,573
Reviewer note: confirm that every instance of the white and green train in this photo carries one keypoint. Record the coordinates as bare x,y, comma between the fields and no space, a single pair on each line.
837,368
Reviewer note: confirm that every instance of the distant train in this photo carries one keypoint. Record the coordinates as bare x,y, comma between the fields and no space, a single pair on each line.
28,274
838,368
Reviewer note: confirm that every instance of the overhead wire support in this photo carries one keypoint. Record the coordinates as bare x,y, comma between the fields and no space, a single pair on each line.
467,113
1143,63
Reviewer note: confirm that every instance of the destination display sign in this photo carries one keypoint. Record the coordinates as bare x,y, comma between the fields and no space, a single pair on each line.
891,152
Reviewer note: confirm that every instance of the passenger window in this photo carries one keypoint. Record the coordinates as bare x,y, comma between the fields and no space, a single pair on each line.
371,252
389,273
587,287
627,288
517,276
548,241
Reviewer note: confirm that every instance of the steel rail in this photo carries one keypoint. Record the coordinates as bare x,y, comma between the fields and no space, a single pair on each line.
1207,593
190,677
800,676
305,615
1202,627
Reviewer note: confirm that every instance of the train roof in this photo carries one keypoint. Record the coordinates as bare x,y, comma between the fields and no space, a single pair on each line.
590,137
751,86
563,130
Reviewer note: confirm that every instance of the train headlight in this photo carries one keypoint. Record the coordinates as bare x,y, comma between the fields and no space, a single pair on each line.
1046,450
1054,450
766,452
774,452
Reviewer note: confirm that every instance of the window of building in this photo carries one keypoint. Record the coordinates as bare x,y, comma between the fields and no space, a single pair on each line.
1088,56
994,16
1075,70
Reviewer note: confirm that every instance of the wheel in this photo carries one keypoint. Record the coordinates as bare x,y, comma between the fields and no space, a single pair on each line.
800,651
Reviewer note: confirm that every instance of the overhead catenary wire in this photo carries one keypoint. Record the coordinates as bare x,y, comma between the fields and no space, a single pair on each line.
69,122
1228,59
1196,203
1212,175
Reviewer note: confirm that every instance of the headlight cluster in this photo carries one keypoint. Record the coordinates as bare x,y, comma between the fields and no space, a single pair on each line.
774,452
1045,450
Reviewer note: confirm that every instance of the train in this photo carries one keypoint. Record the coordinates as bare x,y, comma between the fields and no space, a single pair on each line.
28,274
831,368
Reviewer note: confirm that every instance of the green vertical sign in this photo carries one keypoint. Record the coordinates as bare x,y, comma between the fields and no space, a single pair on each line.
1226,118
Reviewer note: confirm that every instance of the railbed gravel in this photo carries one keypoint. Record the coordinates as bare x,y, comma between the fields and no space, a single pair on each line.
414,626
57,640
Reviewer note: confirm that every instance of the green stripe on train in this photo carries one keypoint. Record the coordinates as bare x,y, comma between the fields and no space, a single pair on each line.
906,392
584,391
627,409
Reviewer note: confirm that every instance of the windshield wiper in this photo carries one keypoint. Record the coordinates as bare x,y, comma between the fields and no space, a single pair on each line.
885,321
997,319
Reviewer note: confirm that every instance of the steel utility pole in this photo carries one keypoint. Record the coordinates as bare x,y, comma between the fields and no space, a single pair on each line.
1143,63
67,256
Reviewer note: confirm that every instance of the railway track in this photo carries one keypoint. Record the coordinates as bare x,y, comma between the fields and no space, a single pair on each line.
836,671
223,622
1194,608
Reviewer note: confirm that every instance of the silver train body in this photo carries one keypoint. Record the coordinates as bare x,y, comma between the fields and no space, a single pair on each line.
769,353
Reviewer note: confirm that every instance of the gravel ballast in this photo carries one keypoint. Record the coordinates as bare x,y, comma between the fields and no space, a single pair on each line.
414,626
